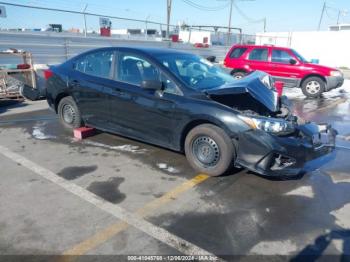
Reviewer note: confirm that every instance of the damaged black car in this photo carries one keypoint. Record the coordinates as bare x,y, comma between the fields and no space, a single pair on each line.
183,102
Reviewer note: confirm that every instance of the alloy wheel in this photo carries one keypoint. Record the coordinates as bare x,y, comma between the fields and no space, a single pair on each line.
313,87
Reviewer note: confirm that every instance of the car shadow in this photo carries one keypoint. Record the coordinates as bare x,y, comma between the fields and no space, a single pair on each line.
315,251
240,215
6,104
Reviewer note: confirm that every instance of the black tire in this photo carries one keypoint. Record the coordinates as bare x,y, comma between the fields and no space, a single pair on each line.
210,140
238,74
313,86
69,113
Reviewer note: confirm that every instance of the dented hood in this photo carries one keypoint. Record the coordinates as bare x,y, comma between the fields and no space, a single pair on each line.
253,85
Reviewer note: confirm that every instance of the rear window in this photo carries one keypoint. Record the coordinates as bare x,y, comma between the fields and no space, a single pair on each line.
238,52
96,64
259,54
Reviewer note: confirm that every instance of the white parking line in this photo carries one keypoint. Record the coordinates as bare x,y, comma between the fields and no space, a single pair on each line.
134,220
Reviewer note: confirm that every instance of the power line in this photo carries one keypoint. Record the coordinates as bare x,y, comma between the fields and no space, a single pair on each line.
205,8
250,20
82,13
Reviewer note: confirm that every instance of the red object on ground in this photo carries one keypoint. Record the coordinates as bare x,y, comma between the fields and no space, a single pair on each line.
279,87
198,45
105,31
23,66
201,45
175,38
84,132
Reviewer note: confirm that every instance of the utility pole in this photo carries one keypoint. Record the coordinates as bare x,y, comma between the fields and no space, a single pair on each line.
168,9
229,23
322,13
85,29
339,13
146,32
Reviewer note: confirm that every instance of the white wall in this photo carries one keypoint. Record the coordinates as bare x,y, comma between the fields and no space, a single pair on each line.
119,31
332,48
194,36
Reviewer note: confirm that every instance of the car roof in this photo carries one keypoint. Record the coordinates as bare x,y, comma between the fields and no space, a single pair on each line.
146,50
262,46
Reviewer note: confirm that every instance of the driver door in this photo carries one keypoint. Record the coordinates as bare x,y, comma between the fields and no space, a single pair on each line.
143,114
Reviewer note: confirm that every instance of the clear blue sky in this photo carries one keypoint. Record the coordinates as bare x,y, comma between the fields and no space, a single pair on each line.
282,15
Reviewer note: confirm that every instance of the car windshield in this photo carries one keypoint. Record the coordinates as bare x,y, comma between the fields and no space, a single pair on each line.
195,71
299,56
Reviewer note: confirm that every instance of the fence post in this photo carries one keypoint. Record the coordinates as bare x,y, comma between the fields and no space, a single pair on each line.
65,46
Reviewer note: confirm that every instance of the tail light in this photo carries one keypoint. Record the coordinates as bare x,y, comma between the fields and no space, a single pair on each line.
47,74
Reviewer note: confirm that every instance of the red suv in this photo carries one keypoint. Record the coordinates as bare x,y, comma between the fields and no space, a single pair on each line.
283,64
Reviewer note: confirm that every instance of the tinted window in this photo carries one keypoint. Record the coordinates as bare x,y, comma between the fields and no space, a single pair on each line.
259,54
133,69
238,52
96,64
281,56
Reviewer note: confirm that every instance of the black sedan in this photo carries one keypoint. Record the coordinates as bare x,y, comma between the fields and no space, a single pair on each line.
182,102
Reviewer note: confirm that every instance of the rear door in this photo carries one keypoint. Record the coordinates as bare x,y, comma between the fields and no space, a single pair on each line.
91,75
282,69
257,59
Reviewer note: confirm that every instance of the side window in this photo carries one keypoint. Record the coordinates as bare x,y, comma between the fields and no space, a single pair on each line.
169,86
238,52
96,64
281,56
133,69
259,54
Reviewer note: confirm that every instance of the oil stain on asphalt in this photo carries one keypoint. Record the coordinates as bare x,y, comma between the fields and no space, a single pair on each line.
73,172
108,190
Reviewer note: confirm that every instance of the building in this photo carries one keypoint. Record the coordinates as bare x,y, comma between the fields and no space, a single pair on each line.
339,27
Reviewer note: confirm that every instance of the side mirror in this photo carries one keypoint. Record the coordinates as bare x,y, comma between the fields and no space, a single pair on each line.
292,61
211,58
152,84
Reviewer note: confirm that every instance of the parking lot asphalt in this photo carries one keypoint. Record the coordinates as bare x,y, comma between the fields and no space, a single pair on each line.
114,196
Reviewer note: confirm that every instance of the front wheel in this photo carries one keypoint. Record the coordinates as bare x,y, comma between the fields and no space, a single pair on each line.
209,150
313,87
69,113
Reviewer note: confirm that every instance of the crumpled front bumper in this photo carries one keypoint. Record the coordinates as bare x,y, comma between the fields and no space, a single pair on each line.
309,148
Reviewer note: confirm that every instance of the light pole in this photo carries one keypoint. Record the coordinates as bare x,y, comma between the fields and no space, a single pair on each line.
146,32
229,23
341,13
168,9
322,13
86,5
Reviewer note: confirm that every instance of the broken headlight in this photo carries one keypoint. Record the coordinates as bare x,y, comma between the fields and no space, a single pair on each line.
270,125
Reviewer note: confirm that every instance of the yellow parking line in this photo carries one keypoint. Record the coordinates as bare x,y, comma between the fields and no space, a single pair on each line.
111,231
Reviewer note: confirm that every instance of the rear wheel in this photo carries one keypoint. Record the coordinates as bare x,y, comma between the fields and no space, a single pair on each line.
238,74
209,150
313,86
69,113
